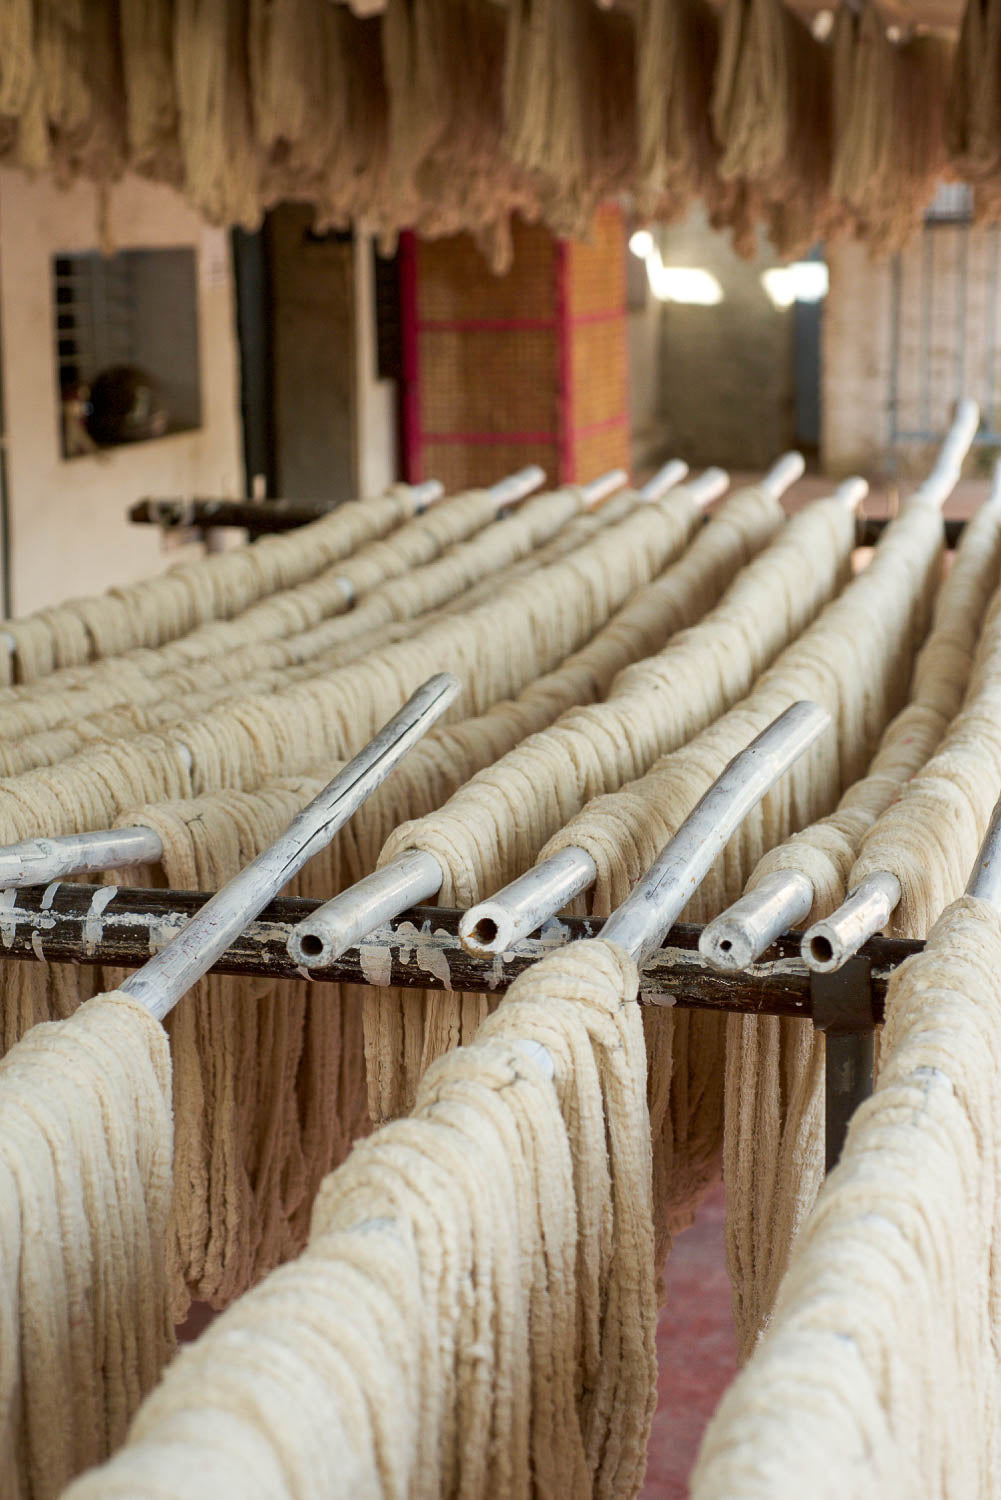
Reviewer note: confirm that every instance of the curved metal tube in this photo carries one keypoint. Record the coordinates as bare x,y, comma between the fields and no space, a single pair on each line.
708,486
161,983
521,907
832,941
654,905
40,861
985,877
346,920
739,935
783,472
516,486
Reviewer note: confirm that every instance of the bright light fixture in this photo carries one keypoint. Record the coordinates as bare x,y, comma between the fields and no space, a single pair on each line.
641,243
803,281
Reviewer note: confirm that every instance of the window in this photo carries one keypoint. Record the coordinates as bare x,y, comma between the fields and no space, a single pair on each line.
126,347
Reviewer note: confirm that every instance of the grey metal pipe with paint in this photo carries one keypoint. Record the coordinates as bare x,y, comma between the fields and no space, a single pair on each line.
643,920
162,982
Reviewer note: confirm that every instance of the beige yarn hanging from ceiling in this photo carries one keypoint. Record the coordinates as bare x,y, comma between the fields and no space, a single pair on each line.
889,121
220,158
568,100
973,110
773,1158
877,1375
771,113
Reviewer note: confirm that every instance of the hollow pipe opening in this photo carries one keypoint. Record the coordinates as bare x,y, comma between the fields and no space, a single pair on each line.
821,949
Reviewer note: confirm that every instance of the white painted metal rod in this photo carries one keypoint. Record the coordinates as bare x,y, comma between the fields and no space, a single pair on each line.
40,861
851,492
833,941
708,486
985,877
428,493
664,480
784,472
645,917
516,486
346,920
944,476
994,497
739,935
161,983
599,489
520,908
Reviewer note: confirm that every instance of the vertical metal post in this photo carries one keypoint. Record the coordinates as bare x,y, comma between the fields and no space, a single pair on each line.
894,401
410,356
963,231
990,358
842,1010
927,298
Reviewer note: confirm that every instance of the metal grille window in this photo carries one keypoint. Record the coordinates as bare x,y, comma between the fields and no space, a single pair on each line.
945,321
126,346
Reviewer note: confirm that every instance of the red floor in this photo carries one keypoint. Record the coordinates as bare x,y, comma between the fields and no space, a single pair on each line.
696,1351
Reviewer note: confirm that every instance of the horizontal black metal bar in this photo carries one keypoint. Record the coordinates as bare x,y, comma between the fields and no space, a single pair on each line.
256,516
869,529
84,924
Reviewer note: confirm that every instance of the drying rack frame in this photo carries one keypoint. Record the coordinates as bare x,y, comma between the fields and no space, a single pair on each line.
123,927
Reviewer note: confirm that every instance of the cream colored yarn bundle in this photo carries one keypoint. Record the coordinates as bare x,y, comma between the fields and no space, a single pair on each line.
630,552
677,49
929,837
216,131
771,114
570,121
85,1147
269,1084
288,612
151,105
214,587
395,1019
890,100
877,1375
234,1220
773,1132
493,828
466,181
973,109
854,660
510,1216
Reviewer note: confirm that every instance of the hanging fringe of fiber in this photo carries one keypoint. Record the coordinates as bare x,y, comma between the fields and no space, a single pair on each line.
771,113
569,102
450,115
973,108
676,51
216,130
889,117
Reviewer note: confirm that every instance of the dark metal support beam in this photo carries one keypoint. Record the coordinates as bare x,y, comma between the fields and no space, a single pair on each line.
70,923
